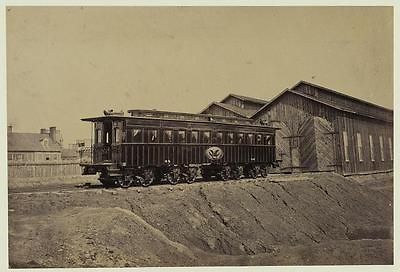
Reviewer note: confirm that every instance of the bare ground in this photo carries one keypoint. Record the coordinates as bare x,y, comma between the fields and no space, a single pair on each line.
304,219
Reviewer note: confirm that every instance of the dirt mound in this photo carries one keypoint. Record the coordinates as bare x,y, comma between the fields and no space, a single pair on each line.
91,237
306,219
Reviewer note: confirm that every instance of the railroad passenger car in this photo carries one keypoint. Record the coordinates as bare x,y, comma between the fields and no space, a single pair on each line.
173,147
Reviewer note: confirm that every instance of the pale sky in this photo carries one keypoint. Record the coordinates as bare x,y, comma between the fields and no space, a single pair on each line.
66,63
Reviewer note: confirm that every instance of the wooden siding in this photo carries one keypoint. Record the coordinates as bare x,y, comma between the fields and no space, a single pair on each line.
55,169
313,132
353,125
301,138
246,104
283,152
156,154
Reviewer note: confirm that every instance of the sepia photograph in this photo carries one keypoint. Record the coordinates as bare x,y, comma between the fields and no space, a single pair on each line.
199,136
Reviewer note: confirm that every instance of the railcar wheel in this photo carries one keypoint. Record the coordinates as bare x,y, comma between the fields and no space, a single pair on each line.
226,173
264,171
148,177
173,177
252,173
192,174
237,172
126,181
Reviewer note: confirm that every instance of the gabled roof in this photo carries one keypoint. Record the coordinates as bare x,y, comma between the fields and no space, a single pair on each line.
235,109
246,98
31,142
313,98
339,94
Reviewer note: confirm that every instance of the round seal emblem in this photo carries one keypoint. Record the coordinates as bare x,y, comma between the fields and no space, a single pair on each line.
214,153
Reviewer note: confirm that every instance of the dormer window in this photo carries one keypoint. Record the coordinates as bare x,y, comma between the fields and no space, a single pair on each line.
45,142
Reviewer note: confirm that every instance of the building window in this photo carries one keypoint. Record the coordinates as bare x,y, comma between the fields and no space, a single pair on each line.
10,157
381,146
371,148
346,146
239,103
359,147
390,149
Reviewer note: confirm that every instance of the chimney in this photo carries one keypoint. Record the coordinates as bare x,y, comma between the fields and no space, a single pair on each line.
9,129
55,135
44,131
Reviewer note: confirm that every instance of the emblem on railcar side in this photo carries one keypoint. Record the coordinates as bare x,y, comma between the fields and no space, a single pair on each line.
214,153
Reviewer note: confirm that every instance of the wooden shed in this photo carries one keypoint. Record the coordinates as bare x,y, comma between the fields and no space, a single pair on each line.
325,130
235,105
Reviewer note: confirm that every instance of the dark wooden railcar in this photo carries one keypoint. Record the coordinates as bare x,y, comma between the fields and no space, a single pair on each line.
170,146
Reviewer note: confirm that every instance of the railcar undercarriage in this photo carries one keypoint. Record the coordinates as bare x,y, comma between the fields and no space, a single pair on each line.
112,175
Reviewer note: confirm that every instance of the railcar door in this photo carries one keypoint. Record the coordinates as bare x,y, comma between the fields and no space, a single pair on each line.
116,140
102,146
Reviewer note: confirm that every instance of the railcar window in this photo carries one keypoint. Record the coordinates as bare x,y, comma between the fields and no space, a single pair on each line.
181,136
250,138
229,138
137,135
153,136
259,139
117,135
240,138
206,137
98,135
107,138
167,136
217,138
194,137
268,140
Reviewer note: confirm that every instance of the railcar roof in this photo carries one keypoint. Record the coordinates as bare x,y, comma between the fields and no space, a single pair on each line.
180,117
184,115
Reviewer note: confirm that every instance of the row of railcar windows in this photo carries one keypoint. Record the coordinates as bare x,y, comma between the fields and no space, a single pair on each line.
139,135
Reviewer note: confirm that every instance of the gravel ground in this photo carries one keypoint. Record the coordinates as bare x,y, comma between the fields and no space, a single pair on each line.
302,219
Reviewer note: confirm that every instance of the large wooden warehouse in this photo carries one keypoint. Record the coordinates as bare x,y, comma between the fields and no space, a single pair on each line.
324,130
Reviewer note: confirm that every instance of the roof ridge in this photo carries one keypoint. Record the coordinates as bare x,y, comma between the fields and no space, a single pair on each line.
246,97
340,94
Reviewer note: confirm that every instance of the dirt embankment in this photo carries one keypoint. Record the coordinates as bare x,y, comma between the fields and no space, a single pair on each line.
282,220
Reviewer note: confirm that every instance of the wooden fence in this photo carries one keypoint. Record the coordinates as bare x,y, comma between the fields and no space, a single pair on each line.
53,169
